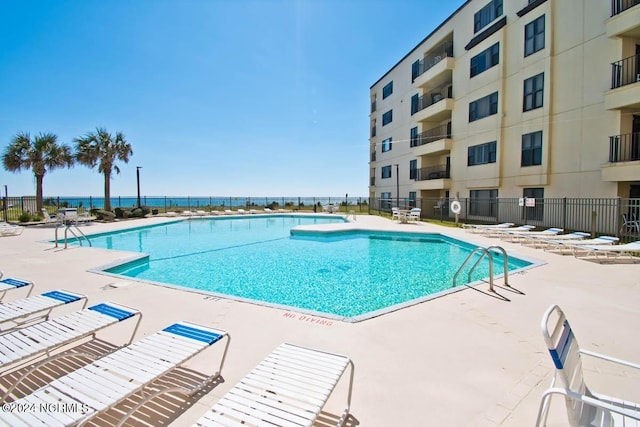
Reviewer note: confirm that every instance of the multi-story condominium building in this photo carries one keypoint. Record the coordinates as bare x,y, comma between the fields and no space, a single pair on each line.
513,99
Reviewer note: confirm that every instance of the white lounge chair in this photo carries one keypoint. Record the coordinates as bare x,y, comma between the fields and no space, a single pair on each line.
7,229
479,228
11,283
22,345
607,251
544,241
572,247
200,213
228,212
187,213
584,407
110,380
170,214
395,213
24,311
290,387
630,224
517,236
242,211
499,232
267,210
49,218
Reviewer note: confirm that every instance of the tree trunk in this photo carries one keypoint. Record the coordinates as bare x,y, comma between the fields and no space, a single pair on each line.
107,191
39,204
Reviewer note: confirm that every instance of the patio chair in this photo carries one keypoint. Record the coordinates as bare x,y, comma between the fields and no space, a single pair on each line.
267,210
11,283
414,215
584,407
19,313
615,251
395,213
630,224
101,385
22,345
289,387
49,218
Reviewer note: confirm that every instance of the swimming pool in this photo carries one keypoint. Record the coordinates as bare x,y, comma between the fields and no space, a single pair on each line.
347,274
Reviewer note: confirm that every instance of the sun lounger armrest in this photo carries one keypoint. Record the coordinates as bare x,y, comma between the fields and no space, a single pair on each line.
119,312
66,296
543,409
610,359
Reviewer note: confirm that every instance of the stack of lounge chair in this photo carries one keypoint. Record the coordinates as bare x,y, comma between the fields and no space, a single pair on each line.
289,387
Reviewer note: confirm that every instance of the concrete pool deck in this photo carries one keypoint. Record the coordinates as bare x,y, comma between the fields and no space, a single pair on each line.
465,359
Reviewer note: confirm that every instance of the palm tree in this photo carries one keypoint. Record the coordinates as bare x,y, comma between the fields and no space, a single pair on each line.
102,149
41,155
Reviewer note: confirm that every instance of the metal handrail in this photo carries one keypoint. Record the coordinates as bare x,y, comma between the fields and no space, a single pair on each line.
505,264
68,228
485,252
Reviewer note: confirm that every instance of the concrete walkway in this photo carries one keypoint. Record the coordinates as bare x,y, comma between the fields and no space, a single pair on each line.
465,359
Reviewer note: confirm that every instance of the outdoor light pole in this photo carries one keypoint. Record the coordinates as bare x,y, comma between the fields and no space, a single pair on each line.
138,179
397,186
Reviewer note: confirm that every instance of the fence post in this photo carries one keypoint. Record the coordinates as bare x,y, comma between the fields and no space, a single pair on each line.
594,214
564,213
497,210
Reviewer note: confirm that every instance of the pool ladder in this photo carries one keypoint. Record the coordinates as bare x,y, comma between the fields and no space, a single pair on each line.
71,227
485,252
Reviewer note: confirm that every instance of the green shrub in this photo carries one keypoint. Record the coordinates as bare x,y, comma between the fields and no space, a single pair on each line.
102,215
25,217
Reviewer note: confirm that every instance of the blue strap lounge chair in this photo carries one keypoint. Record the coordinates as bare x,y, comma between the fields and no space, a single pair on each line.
11,283
288,388
584,406
101,385
24,311
22,345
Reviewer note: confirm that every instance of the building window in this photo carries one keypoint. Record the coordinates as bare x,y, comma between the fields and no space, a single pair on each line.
414,137
482,154
535,212
386,145
534,36
386,172
484,16
387,90
413,169
483,202
483,107
387,117
412,199
385,200
485,59
531,149
533,92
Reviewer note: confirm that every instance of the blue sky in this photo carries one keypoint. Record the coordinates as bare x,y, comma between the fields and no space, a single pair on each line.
217,98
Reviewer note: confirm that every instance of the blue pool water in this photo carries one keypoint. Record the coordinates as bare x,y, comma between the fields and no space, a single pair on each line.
344,274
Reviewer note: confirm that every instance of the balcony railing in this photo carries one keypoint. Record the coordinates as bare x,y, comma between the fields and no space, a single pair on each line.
373,106
619,6
624,148
432,58
432,172
373,156
372,180
431,135
625,71
373,131
419,103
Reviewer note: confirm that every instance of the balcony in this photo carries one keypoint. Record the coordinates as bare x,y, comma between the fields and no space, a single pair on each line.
372,181
625,19
373,156
436,140
432,178
432,172
373,131
431,59
624,158
624,148
435,105
625,84
373,106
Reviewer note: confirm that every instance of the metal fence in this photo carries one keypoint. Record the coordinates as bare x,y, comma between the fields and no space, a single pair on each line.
599,216
23,207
